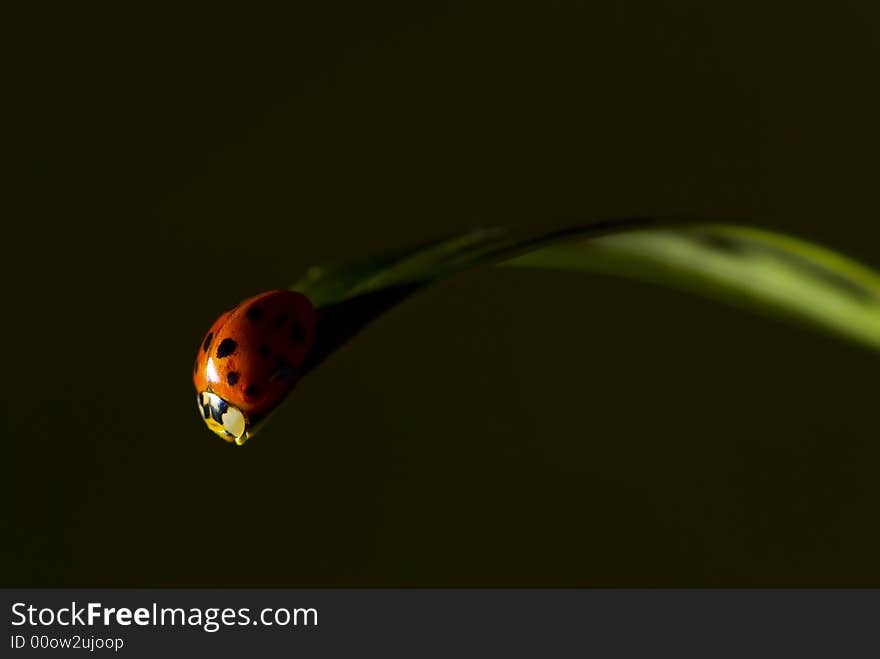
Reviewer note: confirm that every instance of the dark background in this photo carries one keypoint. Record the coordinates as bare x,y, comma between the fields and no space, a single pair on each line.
504,428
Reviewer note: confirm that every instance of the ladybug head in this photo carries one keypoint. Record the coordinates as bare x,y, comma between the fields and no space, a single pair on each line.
225,420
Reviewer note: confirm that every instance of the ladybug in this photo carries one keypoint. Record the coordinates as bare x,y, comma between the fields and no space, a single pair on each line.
250,359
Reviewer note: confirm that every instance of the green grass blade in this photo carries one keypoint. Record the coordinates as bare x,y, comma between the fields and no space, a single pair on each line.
750,267
745,266
336,283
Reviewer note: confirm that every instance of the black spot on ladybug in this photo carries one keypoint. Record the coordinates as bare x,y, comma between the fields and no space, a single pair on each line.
264,350
219,410
283,370
208,340
226,348
254,313
232,378
278,321
296,333
252,391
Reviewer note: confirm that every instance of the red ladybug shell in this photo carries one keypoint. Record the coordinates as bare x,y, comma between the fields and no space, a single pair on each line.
255,353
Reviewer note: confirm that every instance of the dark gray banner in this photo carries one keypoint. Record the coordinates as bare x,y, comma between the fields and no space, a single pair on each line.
442,623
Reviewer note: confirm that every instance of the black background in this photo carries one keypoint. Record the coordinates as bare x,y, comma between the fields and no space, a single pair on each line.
505,428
